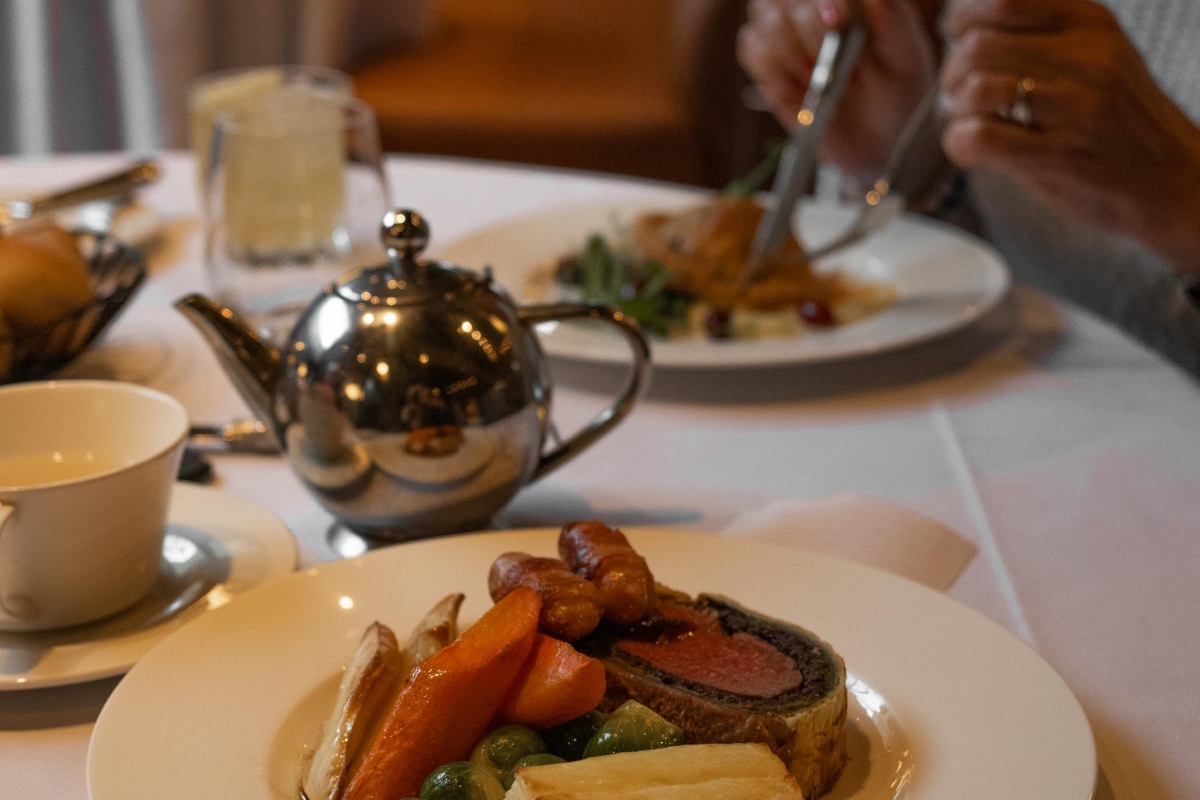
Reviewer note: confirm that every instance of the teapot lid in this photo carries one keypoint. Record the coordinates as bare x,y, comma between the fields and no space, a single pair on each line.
405,280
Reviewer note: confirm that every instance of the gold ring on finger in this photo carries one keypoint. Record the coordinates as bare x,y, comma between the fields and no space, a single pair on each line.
1020,110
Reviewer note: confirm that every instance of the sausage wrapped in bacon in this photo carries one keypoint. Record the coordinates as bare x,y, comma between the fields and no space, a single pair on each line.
604,556
571,606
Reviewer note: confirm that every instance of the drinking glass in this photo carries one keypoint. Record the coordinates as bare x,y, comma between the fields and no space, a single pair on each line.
241,89
294,194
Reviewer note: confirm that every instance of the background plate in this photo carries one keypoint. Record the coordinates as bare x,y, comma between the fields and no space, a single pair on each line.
945,704
944,279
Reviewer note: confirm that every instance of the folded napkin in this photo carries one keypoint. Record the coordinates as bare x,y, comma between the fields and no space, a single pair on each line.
869,530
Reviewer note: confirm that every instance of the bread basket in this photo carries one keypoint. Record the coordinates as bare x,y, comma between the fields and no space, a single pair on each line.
116,271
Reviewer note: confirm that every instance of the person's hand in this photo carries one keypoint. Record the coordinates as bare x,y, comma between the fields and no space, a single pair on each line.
778,47
1103,144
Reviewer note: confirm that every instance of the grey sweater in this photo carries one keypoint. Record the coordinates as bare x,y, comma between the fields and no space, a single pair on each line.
1117,278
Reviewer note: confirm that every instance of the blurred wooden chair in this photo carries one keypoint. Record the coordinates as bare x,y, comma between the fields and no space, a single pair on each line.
640,87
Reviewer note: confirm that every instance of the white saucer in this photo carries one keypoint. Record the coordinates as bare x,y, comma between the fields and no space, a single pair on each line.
216,546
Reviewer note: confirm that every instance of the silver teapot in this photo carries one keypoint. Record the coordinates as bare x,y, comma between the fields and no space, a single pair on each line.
412,399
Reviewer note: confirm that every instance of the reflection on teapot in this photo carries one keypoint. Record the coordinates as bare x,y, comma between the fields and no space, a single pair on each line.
412,399
321,446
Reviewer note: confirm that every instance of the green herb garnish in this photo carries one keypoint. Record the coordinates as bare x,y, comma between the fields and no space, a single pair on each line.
757,178
637,287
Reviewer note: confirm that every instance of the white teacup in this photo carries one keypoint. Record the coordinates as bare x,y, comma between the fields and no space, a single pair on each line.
86,472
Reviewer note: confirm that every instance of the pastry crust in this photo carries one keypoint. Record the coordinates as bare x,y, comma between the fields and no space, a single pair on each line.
806,729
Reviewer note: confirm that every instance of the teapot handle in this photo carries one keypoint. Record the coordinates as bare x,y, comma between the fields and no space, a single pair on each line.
607,419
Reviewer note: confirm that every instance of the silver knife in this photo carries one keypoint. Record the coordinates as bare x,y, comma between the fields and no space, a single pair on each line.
839,53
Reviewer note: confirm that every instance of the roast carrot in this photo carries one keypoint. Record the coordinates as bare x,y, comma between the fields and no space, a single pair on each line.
449,702
556,683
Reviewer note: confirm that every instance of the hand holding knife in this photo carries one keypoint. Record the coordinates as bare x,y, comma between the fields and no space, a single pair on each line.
838,55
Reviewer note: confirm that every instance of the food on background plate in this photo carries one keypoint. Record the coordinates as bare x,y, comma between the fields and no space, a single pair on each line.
681,274
687,772
510,704
43,276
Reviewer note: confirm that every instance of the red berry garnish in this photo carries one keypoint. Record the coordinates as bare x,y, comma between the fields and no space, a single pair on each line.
815,313
716,322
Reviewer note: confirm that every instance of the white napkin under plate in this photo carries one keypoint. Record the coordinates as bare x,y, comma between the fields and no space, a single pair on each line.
869,530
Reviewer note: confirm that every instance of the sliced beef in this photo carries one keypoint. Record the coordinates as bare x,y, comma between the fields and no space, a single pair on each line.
726,674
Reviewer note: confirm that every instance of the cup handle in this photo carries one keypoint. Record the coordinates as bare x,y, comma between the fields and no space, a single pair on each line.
607,419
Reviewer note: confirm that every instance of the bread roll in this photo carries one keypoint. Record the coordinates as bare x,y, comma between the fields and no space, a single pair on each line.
43,277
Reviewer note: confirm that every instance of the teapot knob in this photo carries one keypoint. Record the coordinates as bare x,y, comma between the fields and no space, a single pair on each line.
404,232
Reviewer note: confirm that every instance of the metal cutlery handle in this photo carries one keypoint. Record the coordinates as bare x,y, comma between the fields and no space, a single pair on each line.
113,185
243,436
881,204
870,218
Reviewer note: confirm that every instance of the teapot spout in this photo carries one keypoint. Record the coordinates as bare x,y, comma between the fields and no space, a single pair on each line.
253,364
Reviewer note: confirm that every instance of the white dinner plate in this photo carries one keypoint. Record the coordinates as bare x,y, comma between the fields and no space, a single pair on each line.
216,546
944,704
943,277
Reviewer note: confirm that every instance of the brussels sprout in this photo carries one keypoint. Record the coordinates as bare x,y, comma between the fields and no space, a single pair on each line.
632,727
461,780
479,757
511,743
535,760
568,740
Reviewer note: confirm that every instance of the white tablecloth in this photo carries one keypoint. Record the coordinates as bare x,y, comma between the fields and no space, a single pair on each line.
1067,453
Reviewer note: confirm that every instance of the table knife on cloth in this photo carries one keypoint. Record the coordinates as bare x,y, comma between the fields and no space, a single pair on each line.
241,436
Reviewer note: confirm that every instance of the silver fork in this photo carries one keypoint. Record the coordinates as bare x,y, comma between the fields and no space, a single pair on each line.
881,204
